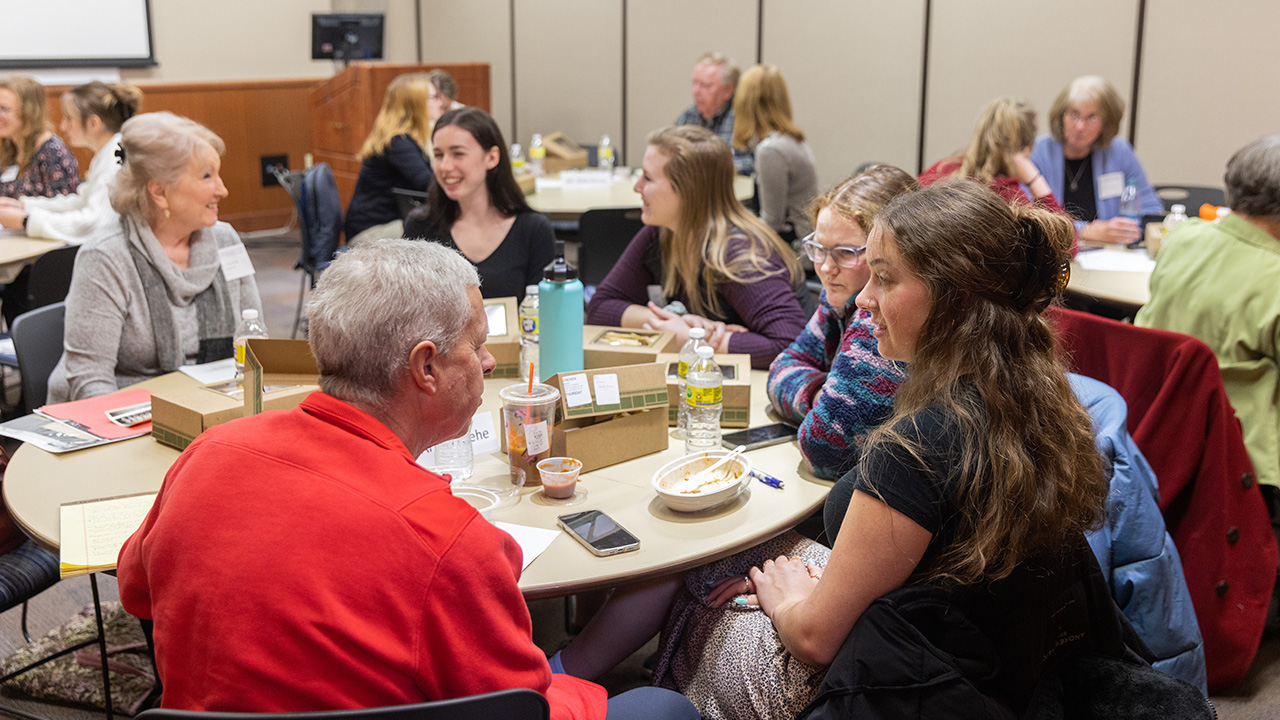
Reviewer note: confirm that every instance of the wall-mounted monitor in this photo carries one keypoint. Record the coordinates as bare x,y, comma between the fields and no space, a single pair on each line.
346,36
75,33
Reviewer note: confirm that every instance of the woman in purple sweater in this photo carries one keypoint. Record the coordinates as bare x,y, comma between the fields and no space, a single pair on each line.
832,380
729,271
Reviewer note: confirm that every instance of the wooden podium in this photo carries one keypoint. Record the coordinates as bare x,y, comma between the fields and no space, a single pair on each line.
343,109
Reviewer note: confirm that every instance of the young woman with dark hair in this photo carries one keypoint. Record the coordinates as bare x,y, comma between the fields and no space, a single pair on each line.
476,206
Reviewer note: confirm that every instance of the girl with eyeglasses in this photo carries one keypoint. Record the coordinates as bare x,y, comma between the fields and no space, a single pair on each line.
831,380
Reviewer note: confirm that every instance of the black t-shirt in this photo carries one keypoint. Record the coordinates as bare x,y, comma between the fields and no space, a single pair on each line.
918,488
402,165
517,262
1081,202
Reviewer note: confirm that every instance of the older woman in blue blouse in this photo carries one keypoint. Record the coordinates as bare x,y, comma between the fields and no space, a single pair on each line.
1087,164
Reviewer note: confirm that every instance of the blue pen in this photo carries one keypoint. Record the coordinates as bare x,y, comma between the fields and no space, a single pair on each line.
769,480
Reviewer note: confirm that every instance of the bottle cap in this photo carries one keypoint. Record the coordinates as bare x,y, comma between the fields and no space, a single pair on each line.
705,351
697,333
559,270
1177,208
249,314
530,290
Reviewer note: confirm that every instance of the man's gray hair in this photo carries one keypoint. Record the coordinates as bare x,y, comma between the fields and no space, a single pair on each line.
375,303
1253,178
728,70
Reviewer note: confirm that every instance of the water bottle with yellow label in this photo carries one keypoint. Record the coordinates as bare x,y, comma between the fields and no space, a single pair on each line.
704,396
250,327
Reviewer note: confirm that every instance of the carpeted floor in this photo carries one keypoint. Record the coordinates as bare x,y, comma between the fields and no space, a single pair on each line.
1257,698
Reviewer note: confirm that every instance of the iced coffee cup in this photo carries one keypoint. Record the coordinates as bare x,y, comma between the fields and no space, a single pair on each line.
528,417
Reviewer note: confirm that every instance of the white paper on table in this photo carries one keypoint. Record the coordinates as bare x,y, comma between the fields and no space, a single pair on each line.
576,390
532,540
92,532
545,183
211,372
1114,259
607,389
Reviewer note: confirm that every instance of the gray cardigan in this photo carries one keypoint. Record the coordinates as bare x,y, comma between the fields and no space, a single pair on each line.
788,182
109,342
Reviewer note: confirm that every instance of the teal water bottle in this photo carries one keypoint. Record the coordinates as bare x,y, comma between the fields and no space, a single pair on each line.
559,317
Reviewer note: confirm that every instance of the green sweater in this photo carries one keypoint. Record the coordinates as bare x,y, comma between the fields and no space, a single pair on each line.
1220,282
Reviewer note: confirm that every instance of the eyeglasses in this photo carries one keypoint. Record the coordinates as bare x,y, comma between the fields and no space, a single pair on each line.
844,256
1075,117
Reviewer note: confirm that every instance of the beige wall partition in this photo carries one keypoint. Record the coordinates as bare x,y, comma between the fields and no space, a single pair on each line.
853,70
664,40
982,49
568,58
1209,87
473,31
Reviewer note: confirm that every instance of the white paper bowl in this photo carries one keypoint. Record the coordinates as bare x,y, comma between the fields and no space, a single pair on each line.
482,499
677,470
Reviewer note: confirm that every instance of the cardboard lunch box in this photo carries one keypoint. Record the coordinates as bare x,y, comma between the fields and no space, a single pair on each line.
179,415
736,412
604,346
602,433
562,153
504,336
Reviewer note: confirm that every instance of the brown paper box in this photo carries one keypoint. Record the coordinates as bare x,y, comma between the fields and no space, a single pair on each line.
604,435
180,414
737,392
504,336
276,362
596,354
562,153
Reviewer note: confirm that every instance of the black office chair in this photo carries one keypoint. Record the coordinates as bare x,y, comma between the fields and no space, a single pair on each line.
1192,196
315,195
515,704
37,340
602,236
407,200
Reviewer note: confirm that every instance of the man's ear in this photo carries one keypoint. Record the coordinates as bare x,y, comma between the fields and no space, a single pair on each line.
422,367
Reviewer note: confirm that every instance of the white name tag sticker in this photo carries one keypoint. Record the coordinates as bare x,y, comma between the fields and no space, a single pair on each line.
235,262
576,390
1110,185
10,174
536,440
607,389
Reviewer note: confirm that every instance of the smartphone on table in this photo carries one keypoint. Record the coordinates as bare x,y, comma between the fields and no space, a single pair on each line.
600,533
758,437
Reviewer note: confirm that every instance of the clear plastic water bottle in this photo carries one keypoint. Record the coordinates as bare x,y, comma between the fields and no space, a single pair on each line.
537,153
1177,215
517,158
604,155
250,327
704,396
1130,206
688,356
529,333
455,458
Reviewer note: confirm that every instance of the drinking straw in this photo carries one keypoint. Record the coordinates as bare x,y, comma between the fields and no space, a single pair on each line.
530,378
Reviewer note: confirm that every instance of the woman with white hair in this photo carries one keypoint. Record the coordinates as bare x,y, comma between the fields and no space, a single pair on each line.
1087,163
165,288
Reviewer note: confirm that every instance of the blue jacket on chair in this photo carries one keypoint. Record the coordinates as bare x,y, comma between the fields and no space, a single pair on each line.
1135,552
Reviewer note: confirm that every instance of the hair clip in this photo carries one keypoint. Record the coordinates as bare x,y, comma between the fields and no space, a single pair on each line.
120,154
1064,276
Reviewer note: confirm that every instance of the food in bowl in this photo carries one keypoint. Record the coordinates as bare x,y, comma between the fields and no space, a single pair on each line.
672,481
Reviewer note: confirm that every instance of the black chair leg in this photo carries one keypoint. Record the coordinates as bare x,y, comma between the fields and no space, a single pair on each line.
102,645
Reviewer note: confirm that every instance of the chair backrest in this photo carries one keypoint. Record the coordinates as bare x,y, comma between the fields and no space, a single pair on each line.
514,704
407,200
602,236
1192,196
51,277
37,341
1181,419
320,215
